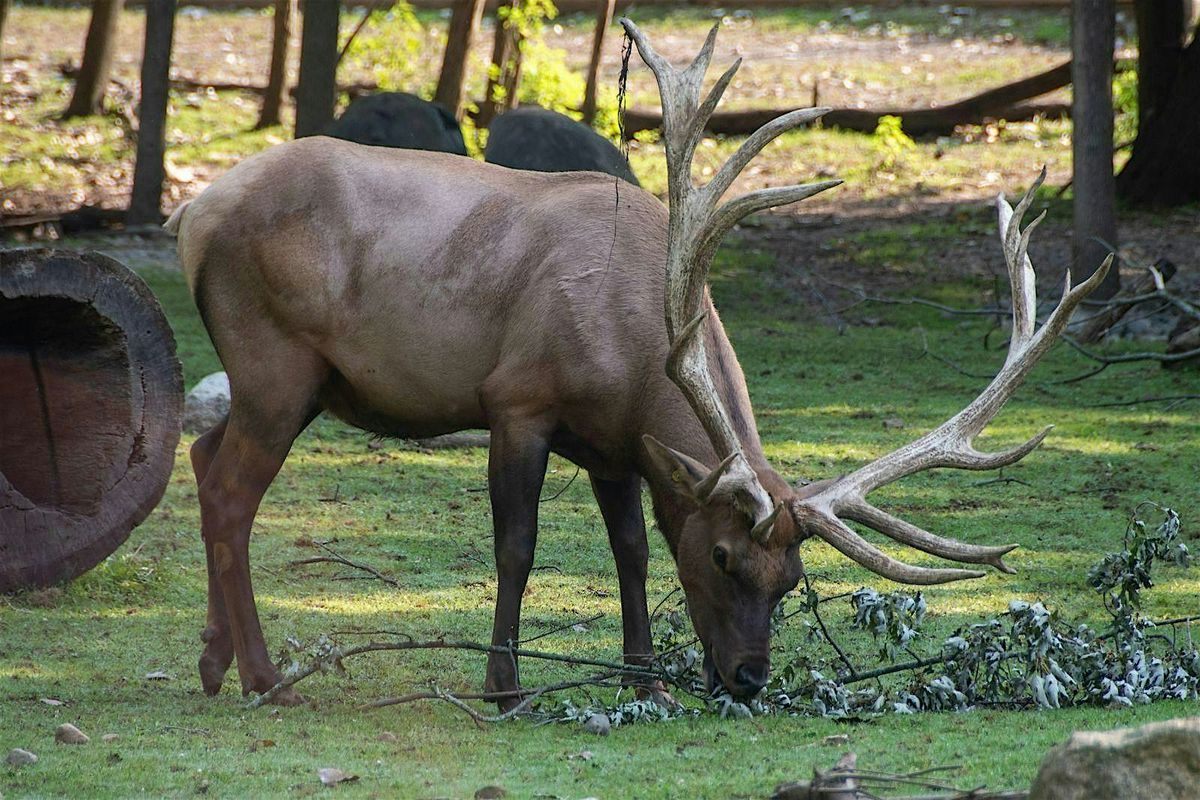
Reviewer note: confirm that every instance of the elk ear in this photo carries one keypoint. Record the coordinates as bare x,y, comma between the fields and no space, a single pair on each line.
685,474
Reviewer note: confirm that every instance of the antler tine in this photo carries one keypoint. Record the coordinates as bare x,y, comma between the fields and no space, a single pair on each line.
951,443
694,231
827,526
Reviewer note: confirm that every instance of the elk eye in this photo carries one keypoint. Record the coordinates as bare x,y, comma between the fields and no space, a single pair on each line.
720,557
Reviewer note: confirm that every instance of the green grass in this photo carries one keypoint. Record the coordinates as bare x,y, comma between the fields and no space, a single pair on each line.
423,518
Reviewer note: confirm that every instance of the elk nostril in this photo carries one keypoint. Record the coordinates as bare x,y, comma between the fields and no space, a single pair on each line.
753,676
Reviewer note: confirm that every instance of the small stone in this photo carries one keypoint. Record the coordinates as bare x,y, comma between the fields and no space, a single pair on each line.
69,734
836,739
109,738
332,777
893,423
490,793
20,758
158,675
50,701
387,736
207,403
598,724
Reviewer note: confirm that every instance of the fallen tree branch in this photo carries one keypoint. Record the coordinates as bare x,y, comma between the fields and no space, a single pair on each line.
331,656
529,694
335,557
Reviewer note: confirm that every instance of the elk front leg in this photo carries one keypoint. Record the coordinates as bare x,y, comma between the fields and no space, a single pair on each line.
251,451
516,468
620,504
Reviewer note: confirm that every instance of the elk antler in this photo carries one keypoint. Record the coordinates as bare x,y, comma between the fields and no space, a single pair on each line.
695,228
950,444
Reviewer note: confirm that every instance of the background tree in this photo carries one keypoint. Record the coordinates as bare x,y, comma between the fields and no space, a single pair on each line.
316,93
504,74
4,4
281,38
1164,168
464,21
1093,38
145,204
92,79
604,15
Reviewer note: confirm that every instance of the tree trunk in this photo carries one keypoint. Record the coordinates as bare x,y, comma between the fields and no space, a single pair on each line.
281,39
1164,169
604,15
504,74
4,6
97,59
89,412
145,204
464,22
1161,25
316,93
1093,37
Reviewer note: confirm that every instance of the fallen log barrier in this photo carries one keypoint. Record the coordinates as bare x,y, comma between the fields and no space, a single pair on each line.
90,400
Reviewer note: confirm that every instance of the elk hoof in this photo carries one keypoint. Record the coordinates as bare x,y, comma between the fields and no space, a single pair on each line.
288,697
212,674
658,694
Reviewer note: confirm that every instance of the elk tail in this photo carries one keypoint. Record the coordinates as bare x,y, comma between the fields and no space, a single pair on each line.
172,224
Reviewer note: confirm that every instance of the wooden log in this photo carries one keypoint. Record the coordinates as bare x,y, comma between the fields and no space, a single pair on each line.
89,412
1094,329
917,121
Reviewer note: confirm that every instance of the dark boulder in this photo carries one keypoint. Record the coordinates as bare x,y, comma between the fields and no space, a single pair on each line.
545,141
399,119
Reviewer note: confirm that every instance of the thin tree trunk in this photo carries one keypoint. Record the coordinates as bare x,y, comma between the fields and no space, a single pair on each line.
505,70
464,22
97,59
1093,38
4,5
316,93
604,15
145,205
281,39
1164,169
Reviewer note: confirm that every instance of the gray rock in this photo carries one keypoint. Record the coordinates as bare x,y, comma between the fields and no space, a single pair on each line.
20,758
537,139
399,119
1159,761
69,734
206,404
598,724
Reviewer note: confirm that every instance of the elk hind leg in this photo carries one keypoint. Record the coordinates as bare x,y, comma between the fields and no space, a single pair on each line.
217,638
263,422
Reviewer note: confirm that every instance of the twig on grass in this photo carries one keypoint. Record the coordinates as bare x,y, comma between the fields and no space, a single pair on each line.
459,698
334,557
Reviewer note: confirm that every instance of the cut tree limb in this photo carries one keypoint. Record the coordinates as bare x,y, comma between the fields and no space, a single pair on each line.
1095,328
1006,102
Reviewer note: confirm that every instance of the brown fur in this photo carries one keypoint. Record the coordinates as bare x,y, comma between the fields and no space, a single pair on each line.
414,293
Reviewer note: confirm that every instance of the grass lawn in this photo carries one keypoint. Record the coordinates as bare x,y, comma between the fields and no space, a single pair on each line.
422,518
822,395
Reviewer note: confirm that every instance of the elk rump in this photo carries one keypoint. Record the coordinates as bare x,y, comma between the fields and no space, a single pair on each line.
90,398
537,139
399,119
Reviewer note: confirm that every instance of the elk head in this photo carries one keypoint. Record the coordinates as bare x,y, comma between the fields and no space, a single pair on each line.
737,553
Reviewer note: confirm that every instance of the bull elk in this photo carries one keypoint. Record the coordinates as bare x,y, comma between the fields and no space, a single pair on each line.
416,293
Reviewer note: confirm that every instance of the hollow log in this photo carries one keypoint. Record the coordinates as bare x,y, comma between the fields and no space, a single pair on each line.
89,412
